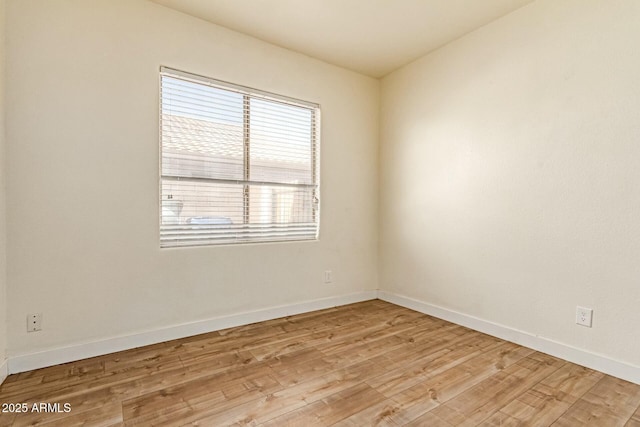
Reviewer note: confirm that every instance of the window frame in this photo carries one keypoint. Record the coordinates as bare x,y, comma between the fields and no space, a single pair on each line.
247,94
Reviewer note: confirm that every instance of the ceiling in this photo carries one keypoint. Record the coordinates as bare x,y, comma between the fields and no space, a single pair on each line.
372,37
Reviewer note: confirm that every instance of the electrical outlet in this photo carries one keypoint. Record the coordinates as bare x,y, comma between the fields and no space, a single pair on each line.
34,322
584,316
328,276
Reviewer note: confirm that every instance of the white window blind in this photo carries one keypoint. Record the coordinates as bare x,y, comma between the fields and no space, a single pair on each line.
237,166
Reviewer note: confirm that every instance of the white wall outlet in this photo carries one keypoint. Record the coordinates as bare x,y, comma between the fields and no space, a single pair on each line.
34,322
584,316
328,276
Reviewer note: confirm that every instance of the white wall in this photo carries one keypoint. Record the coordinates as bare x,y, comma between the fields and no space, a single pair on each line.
510,182
82,134
3,216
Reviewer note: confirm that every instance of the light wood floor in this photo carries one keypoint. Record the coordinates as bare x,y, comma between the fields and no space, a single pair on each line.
371,363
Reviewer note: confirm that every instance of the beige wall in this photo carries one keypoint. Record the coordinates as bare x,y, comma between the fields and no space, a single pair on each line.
3,216
82,132
510,182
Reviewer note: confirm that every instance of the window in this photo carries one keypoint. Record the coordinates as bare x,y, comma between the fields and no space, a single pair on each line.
237,165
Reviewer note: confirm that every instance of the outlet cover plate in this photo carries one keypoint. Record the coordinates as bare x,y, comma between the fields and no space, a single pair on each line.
328,276
584,316
34,322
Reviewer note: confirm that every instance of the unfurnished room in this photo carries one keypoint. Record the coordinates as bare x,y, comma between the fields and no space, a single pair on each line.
320,213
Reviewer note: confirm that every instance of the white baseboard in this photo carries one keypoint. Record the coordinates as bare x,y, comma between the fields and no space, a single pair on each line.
56,356
4,371
578,356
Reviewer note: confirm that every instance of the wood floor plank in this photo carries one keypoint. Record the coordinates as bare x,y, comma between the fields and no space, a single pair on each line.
100,416
416,400
211,389
7,419
546,401
500,419
379,414
210,386
481,401
369,363
611,402
439,386
305,394
439,358
80,404
428,419
634,421
330,410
